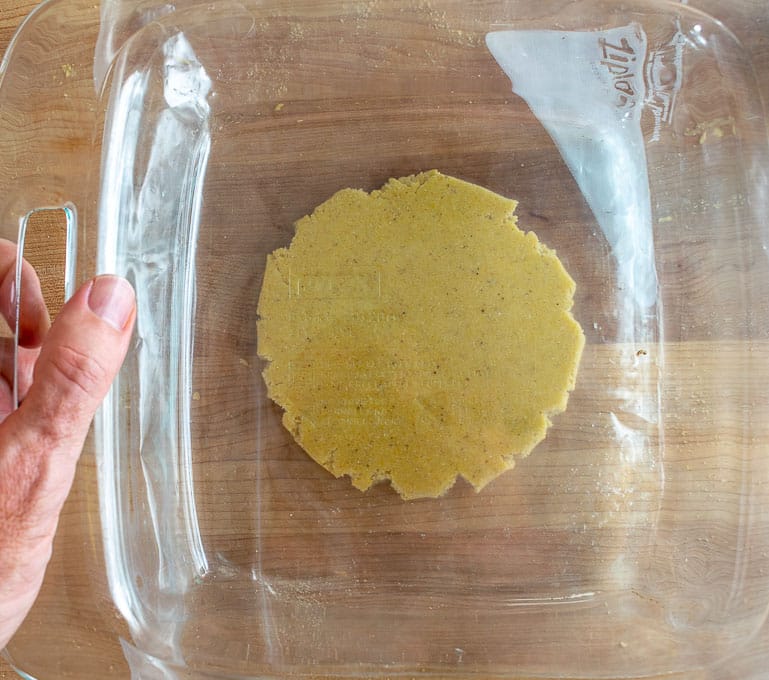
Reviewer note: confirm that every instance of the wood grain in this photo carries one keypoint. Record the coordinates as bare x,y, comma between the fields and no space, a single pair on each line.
86,648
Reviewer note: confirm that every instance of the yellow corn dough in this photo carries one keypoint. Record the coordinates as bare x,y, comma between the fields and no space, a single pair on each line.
416,334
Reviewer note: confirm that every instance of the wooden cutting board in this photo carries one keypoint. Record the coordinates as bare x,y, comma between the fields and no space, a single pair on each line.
101,653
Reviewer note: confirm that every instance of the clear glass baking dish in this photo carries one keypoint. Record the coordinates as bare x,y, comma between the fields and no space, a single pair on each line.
185,143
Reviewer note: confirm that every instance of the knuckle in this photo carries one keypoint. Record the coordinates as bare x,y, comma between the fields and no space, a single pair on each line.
77,371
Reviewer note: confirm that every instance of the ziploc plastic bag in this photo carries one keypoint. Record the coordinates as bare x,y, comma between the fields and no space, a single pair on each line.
587,89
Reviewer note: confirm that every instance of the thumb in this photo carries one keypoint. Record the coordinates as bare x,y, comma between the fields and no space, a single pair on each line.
79,359
41,441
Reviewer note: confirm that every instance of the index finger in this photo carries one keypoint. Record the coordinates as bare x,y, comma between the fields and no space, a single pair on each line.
33,314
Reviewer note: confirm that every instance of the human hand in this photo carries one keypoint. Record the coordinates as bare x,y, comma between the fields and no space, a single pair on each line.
64,373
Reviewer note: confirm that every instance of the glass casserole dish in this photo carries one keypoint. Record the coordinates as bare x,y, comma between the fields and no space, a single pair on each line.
205,542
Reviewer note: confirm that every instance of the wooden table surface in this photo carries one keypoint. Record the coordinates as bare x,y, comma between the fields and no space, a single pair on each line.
751,24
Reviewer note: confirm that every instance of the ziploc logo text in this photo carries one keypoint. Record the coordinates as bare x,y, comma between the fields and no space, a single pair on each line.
620,60
359,283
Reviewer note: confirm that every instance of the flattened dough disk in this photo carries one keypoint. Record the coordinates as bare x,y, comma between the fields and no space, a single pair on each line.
416,334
